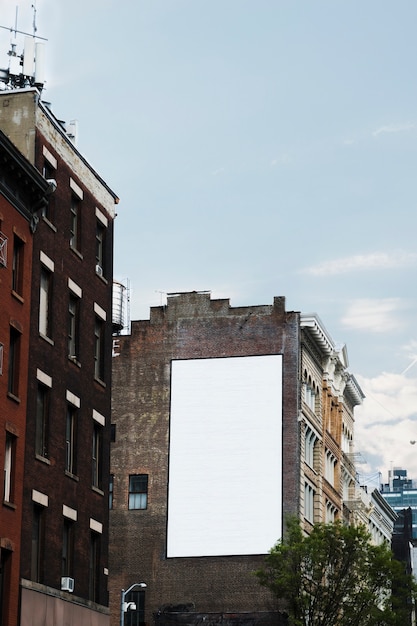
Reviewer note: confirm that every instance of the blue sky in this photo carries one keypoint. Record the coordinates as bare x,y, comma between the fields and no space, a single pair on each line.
259,149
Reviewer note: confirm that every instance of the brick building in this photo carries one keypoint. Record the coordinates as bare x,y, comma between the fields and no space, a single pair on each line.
23,191
64,558
225,420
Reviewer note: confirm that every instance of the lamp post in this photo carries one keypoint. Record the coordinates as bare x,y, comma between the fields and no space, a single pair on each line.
125,606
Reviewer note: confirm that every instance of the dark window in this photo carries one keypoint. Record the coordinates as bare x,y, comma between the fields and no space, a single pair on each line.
138,491
9,468
17,266
111,489
45,303
94,567
68,548
48,172
113,433
99,328
70,440
97,455
100,247
14,362
75,230
5,562
137,616
42,421
38,536
73,326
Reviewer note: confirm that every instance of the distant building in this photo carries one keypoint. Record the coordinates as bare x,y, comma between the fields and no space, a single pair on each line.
23,192
401,493
64,540
225,420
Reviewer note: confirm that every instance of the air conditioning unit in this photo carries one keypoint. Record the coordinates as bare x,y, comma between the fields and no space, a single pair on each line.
99,270
67,584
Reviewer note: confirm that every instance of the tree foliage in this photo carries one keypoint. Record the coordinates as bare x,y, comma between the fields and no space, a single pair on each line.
336,577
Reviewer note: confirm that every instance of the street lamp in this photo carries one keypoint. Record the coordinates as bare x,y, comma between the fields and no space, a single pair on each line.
126,606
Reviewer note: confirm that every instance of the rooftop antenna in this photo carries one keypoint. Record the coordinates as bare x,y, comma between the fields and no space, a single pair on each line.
26,69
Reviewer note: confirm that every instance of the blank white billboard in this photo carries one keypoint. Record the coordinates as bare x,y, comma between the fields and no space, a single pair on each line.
225,456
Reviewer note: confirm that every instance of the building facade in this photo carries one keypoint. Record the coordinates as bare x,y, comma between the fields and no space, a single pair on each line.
64,540
401,493
225,420
23,191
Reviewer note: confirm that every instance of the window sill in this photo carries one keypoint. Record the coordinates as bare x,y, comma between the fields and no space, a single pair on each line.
13,397
100,382
9,505
43,459
97,490
73,476
49,223
47,339
76,252
102,278
18,296
74,360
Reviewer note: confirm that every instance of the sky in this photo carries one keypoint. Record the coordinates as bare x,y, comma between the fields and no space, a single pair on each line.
259,149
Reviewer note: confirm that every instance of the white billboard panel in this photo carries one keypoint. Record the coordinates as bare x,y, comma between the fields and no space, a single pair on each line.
225,468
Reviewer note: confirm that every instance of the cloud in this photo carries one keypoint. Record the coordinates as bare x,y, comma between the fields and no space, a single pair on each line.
394,128
372,261
374,315
387,422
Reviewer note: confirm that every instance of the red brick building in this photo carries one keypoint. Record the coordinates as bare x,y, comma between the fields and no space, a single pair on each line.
64,564
226,419
23,193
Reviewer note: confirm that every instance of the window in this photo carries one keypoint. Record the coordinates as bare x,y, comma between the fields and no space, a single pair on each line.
3,250
70,440
100,247
14,362
48,172
310,395
9,462
331,512
94,567
67,548
138,491
136,617
73,326
310,440
17,265
309,502
45,302
111,488
99,328
38,536
5,563
97,455
330,467
75,229
42,421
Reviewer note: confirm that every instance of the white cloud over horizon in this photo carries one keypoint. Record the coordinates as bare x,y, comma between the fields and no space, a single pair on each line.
394,128
374,315
372,261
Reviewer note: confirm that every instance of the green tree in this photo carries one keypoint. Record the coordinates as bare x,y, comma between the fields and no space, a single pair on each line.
336,577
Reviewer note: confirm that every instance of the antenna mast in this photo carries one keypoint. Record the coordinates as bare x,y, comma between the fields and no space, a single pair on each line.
26,69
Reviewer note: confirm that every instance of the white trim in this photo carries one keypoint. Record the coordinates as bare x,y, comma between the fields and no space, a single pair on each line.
100,311
40,498
96,526
44,378
102,218
75,288
73,399
68,512
47,262
76,189
49,157
98,417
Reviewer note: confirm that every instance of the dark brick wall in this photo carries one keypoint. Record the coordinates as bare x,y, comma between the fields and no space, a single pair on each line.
190,326
52,237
